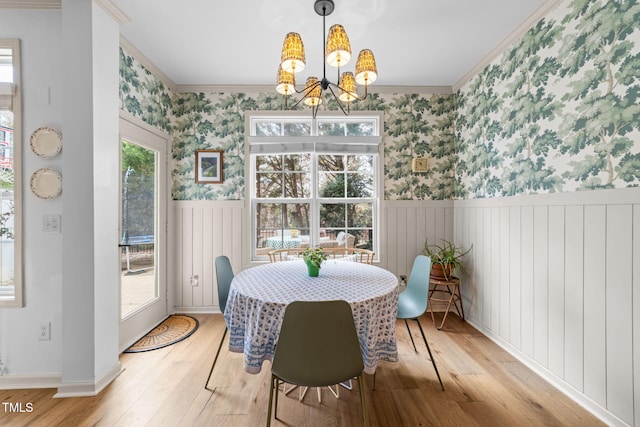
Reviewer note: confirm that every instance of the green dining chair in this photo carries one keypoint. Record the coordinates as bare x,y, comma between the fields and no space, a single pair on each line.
412,303
224,276
318,346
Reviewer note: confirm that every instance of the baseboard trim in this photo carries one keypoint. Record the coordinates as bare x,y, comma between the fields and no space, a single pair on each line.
88,388
13,382
197,310
593,407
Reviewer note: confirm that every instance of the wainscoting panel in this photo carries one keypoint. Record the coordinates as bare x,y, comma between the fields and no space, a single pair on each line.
406,225
551,278
202,231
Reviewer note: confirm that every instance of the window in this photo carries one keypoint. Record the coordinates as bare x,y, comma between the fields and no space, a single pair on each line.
314,182
10,176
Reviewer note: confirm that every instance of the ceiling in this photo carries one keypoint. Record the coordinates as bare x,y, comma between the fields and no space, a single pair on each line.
415,42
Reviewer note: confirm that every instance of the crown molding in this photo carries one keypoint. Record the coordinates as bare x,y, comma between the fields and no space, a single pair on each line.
146,62
446,90
440,90
525,26
30,4
106,5
113,11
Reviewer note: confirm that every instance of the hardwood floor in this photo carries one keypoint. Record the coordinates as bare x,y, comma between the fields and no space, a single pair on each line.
485,386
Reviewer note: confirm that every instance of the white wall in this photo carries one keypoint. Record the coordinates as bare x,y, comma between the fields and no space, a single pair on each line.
551,278
40,34
71,277
106,190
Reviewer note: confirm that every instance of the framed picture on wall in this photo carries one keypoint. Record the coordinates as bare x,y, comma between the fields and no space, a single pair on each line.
209,166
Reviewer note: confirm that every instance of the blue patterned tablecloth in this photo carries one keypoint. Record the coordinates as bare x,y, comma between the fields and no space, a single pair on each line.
259,295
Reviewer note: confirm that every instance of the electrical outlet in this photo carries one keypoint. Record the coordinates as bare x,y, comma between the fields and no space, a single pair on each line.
403,280
44,331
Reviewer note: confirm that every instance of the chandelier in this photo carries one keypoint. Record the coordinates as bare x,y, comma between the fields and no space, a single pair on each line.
337,51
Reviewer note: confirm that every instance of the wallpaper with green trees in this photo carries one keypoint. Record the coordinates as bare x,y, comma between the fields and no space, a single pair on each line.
414,125
557,111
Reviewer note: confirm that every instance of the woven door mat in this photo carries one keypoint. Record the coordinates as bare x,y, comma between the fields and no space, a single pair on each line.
173,329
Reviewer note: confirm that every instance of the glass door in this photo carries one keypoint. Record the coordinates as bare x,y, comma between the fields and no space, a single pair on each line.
143,294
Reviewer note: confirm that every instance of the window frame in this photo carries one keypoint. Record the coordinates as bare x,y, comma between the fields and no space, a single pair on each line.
315,145
16,109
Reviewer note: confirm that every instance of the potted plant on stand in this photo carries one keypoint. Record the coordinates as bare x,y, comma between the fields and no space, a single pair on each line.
314,257
445,258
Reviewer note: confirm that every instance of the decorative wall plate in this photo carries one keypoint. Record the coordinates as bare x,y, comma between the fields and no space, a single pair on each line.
46,142
46,183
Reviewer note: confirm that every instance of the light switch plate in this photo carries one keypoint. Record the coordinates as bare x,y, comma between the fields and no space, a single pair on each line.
420,164
51,223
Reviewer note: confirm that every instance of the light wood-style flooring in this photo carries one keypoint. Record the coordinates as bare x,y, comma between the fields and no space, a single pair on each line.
485,386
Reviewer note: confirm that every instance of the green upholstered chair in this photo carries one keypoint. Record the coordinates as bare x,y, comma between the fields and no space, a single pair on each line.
318,346
224,276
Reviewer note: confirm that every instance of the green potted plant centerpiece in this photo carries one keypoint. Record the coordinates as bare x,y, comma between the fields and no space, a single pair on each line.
445,258
314,257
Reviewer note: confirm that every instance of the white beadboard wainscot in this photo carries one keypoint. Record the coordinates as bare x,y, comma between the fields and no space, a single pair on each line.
201,231
551,279
404,227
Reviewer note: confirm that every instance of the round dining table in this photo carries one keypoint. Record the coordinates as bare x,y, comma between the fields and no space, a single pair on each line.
258,297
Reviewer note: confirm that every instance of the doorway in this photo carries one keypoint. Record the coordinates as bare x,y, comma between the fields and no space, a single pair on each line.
142,234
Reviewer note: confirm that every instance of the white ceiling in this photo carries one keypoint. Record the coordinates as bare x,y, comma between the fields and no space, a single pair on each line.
415,42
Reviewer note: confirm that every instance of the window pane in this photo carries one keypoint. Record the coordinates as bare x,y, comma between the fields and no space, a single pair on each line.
360,215
360,164
268,222
269,185
268,129
340,128
332,215
328,128
283,176
331,163
297,185
268,163
6,64
359,185
297,129
297,162
331,185
364,238
296,215
282,225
